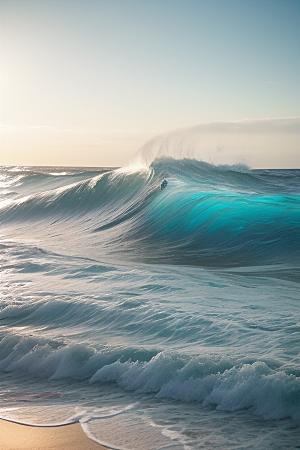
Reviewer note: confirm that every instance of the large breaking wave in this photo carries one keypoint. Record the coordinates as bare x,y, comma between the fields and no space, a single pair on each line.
208,215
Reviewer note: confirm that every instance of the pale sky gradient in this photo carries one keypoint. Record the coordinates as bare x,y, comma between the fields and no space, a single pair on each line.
88,82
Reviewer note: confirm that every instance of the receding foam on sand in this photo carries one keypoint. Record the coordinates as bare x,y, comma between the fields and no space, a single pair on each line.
16,436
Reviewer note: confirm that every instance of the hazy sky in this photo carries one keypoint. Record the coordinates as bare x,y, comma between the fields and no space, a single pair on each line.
88,82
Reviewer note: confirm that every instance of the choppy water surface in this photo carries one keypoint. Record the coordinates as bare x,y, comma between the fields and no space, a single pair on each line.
161,319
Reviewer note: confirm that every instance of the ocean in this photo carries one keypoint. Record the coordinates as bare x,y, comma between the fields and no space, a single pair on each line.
161,319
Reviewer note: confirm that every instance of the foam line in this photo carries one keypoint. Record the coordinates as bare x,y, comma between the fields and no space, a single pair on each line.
46,425
98,441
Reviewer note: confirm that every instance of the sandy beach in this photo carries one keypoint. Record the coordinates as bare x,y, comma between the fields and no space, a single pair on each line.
14,436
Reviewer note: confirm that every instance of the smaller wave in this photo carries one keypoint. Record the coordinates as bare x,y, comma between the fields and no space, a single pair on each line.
209,380
19,169
256,387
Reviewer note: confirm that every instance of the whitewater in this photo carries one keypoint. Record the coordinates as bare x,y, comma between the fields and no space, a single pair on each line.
160,319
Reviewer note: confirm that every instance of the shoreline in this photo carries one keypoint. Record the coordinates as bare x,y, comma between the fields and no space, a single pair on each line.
18,436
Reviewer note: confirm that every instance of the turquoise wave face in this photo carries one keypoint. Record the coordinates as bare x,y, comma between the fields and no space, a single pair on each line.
230,228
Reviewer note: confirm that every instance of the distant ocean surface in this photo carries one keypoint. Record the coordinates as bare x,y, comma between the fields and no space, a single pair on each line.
161,319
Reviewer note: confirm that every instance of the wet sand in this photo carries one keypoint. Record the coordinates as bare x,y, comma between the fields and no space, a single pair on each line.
14,436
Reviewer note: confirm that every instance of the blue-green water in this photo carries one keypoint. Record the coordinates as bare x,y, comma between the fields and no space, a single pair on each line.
158,318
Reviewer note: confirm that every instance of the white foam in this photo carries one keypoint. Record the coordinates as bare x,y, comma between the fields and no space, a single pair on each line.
132,431
266,392
57,174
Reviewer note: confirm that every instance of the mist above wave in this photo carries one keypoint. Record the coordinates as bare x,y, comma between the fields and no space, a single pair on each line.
183,144
218,143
